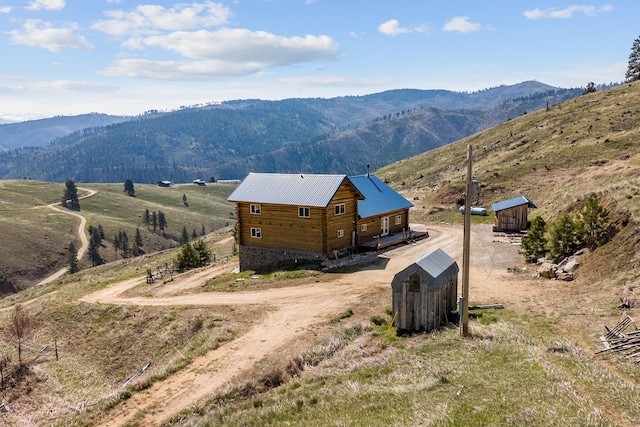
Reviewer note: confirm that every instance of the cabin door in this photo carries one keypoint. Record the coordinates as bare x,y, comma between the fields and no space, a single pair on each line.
384,226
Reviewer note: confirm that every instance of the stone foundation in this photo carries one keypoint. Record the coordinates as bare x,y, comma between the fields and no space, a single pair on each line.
252,258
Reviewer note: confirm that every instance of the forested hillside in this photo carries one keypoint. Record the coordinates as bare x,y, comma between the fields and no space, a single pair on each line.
38,133
228,140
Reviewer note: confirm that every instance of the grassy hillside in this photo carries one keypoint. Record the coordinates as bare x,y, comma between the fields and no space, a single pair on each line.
555,157
34,240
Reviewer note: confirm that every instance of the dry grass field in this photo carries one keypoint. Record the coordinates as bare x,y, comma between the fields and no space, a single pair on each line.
316,348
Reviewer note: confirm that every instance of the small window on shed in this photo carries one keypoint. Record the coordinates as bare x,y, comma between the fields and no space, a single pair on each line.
340,209
414,283
304,212
340,233
363,227
398,220
255,209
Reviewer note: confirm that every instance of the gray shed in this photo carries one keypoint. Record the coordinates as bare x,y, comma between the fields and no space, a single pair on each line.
425,292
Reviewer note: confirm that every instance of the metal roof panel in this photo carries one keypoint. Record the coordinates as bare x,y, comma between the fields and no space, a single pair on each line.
288,189
379,198
511,203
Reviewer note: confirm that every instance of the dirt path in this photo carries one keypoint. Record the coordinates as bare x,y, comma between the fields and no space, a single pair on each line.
83,237
297,310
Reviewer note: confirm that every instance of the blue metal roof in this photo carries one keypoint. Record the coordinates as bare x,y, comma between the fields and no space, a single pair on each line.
517,201
435,269
379,198
288,189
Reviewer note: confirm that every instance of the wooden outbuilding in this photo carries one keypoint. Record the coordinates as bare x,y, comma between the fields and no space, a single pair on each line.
425,293
512,214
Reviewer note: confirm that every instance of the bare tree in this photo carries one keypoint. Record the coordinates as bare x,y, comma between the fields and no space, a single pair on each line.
19,327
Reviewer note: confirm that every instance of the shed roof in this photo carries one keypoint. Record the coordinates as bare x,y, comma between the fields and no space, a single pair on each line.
288,189
511,203
435,269
379,198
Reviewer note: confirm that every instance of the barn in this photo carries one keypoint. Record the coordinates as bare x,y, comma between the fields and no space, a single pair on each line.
512,214
425,293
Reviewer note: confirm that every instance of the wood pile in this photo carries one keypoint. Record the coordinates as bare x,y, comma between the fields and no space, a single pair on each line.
621,340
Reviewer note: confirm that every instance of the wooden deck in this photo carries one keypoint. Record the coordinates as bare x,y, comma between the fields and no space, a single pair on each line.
416,231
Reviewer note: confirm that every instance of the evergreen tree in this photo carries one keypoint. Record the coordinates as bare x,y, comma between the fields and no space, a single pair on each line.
184,200
72,260
70,196
563,238
162,221
203,231
633,69
128,188
592,222
95,241
591,87
194,235
123,239
147,218
154,220
204,254
534,243
187,257
185,236
101,231
138,238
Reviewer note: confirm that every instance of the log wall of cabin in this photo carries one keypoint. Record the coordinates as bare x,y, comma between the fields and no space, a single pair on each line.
512,219
374,224
346,222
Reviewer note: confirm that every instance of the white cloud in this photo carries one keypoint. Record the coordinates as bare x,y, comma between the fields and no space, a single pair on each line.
148,19
239,45
41,34
223,53
461,24
46,5
5,9
392,28
566,13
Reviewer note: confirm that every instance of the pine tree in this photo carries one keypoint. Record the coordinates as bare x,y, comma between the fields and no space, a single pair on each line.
72,260
162,221
138,238
154,220
147,218
633,69
534,243
70,196
592,222
185,236
563,238
194,235
128,188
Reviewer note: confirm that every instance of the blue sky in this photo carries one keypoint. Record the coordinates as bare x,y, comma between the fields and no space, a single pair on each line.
67,57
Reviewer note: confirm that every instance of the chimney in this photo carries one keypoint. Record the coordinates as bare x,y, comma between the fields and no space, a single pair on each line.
368,166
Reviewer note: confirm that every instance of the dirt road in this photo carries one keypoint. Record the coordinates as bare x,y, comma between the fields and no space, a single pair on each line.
83,237
294,311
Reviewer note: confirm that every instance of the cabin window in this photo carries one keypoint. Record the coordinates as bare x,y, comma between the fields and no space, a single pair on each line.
304,212
414,283
256,233
363,227
340,233
398,220
255,209
340,209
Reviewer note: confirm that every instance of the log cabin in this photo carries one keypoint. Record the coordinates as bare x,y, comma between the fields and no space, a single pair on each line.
292,217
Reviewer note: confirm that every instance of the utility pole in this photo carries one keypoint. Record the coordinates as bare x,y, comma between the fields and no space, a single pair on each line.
466,248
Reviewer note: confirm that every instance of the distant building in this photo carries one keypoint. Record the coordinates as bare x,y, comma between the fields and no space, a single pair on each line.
284,217
165,183
512,214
